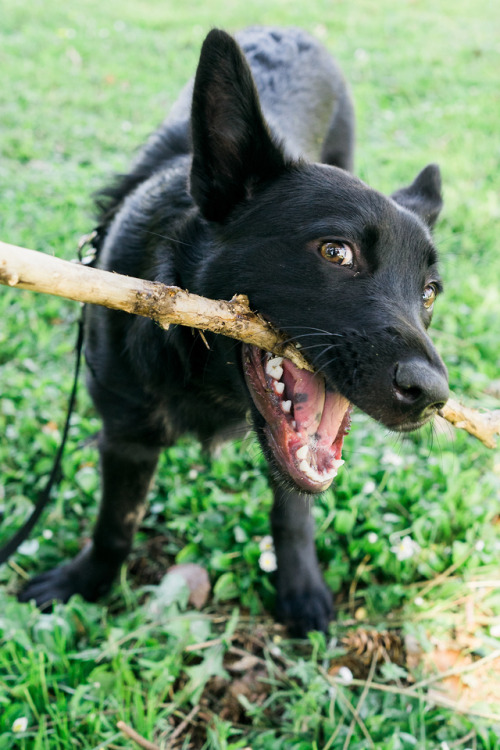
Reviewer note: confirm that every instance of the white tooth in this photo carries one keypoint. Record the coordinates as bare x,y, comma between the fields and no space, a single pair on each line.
279,388
274,371
302,452
338,464
305,467
286,406
294,424
275,361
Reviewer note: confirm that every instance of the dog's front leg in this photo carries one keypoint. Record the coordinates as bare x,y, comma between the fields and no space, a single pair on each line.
126,471
303,601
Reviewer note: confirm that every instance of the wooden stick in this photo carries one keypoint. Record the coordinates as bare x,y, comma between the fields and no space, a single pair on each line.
482,424
39,272
166,305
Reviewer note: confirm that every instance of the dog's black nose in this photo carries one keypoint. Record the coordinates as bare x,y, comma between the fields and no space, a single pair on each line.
421,385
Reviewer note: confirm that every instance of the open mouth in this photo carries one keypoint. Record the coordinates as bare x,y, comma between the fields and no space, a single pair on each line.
305,421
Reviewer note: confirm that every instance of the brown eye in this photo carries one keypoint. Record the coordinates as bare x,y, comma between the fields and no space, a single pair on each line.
429,296
337,252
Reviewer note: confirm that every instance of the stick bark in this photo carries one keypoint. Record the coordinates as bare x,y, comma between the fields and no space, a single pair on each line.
167,305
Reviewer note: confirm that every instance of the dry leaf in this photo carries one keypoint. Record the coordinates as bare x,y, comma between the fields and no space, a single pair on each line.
197,581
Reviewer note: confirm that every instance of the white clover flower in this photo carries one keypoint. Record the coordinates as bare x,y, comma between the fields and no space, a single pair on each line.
479,545
266,544
419,601
20,724
369,487
29,547
345,675
268,562
156,508
405,548
393,459
495,630
372,537
47,533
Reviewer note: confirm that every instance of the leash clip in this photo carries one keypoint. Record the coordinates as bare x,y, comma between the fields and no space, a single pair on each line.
88,257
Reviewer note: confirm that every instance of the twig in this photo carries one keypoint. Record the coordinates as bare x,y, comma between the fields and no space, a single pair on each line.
362,698
463,740
166,305
182,726
456,671
441,577
205,644
410,693
136,737
484,425
356,718
486,584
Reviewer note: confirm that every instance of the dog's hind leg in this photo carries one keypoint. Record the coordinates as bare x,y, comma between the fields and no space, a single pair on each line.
127,469
303,601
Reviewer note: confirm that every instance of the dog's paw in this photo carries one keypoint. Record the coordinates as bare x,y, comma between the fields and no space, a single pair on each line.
83,575
303,610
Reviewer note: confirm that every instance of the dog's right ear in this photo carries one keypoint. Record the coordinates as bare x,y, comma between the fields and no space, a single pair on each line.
423,196
232,146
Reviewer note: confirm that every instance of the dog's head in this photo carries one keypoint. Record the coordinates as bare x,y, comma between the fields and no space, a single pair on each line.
346,272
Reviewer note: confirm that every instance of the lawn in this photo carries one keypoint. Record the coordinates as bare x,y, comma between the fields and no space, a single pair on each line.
409,541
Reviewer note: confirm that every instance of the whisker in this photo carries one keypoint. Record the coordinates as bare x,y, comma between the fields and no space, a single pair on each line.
323,366
312,328
315,346
307,335
166,237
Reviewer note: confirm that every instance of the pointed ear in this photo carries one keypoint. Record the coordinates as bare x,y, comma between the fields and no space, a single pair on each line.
423,196
232,146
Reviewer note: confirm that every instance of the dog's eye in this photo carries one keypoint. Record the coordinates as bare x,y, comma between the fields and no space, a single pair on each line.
429,296
337,252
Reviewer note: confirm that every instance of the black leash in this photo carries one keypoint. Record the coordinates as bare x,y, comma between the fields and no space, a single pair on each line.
55,475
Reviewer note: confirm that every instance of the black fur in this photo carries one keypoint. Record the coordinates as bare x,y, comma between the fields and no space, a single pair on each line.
224,199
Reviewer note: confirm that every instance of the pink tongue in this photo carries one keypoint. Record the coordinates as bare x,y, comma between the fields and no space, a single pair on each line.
333,415
307,392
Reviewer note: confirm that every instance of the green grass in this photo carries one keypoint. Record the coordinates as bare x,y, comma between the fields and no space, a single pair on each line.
82,86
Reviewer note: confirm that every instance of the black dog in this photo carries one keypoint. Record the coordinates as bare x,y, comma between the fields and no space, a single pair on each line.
225,200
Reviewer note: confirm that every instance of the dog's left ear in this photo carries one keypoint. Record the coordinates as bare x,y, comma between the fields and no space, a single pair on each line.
423,196
232,146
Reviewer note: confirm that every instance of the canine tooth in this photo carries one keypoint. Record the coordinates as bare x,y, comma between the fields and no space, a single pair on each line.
286,406
338,464
305,467
302,452
275,361
279,388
